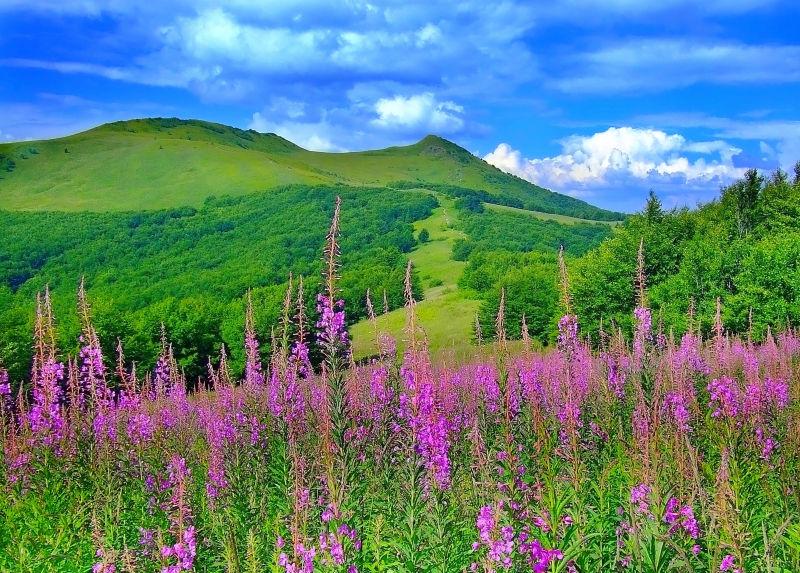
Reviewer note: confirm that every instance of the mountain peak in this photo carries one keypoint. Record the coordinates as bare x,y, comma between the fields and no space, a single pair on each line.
439,146
433,138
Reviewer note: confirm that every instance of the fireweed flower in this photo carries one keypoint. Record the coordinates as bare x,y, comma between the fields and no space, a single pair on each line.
728,563
430,427
45,417
539,558
499,544
5,390
332,332
380,393
640,498
92,372
617,373
485,523
486,380
688,355
140,428
299,357
569,415
681,518
184,550
677,410
105,564
766,442
216,437
724,396
568,333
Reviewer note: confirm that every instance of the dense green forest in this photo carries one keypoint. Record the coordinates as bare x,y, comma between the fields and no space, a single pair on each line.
190,268
743,249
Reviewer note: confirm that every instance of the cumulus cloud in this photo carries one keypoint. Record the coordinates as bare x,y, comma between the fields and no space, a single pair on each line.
778,139
626,159
420,111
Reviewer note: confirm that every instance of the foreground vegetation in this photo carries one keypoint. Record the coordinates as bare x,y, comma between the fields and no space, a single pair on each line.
650,454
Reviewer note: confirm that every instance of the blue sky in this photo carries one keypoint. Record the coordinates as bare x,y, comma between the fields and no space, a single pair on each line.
600,100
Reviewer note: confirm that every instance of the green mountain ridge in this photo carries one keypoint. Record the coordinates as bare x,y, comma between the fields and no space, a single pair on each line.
158,163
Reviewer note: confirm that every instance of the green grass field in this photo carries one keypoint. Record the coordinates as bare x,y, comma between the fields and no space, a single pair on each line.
446,314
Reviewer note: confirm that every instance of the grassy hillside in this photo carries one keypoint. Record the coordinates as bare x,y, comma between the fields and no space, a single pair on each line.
163,163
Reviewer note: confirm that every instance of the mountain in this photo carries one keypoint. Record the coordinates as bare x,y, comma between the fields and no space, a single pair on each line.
170,222
158,163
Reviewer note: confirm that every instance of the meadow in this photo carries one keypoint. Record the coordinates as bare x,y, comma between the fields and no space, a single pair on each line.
653,453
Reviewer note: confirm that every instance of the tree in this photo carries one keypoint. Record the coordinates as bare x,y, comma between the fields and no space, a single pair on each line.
424,236
653,210
530,291
744,195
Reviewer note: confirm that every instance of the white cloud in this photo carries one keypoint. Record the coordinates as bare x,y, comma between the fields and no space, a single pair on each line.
237,51
625,158
217,39
782,135
315,136
653,64
591,11
420,111
110,72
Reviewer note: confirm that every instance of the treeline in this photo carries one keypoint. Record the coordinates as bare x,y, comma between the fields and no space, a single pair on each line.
517,193
465,195
190,268
742,249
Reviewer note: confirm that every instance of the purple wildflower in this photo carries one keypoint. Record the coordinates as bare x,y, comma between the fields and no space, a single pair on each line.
678,410
45,417
728,563
640,495
681,518
332,332
724,397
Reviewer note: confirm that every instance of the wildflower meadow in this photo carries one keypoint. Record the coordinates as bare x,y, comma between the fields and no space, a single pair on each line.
662,452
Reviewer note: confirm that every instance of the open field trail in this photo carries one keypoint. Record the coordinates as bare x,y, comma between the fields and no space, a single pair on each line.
445,314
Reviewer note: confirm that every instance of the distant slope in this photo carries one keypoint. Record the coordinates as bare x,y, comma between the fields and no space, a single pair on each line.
160,163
